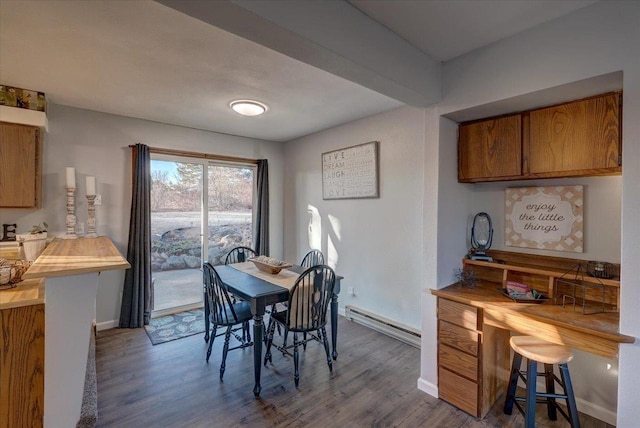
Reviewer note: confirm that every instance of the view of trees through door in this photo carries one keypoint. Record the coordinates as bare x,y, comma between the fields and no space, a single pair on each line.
178,213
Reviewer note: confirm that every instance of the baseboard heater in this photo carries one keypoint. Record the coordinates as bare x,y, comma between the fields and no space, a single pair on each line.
386,326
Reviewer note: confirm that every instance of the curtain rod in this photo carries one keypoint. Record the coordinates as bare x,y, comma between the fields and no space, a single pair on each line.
197,155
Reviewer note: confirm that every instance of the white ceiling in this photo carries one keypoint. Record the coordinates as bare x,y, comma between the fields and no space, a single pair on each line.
447,29
146,60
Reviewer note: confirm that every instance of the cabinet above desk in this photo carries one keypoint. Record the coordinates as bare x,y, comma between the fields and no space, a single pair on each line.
574,139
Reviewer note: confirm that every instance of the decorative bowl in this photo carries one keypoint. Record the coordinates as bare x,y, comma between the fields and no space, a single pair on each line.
269,264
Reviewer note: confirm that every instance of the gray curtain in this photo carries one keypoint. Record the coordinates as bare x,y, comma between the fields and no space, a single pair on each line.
262,212
137,291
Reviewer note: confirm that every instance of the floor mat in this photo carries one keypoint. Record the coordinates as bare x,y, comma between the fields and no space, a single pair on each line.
175,326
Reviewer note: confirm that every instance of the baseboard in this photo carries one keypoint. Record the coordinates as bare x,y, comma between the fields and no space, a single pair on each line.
596,411
428,387
587,407
106,325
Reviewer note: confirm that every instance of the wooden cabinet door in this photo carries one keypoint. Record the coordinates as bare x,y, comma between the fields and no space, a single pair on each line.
490,149
19,166
577,138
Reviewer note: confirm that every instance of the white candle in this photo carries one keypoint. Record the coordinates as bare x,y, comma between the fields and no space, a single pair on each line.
71,177
91,185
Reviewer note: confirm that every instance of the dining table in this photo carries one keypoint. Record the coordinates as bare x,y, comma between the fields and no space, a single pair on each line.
262,291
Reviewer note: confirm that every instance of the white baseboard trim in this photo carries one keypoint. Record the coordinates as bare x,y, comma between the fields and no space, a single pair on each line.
428,387
106,325
584,406
596,411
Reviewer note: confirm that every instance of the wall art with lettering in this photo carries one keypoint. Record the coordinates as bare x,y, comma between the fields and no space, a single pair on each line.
351,172
545,218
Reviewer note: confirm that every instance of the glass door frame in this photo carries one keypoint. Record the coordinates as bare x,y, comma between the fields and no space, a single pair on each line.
204,211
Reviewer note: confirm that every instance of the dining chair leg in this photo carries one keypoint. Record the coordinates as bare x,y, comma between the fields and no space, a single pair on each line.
284,337
248,329
225,351
296,373
323,334
304,340
211,339
270,330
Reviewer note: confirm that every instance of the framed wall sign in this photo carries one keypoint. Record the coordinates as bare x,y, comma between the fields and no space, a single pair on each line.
546,218
351,173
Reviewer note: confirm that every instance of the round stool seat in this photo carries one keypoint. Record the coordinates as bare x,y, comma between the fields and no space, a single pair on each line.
540,350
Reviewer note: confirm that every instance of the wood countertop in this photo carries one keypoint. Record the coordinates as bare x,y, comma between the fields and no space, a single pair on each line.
64,257
486,296
25,293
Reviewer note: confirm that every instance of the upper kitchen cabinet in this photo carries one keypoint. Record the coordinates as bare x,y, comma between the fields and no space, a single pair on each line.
577,138
20,166
490,150
573,139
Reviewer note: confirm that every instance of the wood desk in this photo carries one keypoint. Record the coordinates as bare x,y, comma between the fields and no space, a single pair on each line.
473,339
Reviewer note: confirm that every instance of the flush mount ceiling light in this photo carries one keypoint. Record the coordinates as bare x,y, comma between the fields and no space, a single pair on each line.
248,107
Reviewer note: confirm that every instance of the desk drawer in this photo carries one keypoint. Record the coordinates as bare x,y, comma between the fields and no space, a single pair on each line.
457,361
458,337
458,391
458,313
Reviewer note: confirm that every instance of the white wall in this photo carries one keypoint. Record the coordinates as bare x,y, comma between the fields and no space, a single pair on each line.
97,144
596,40
602,205
376,244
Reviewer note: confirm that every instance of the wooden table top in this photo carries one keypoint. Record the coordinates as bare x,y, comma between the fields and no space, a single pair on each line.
25,293
485,295
64,257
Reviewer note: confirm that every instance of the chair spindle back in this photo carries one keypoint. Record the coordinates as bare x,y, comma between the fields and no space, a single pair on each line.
309,299
220,305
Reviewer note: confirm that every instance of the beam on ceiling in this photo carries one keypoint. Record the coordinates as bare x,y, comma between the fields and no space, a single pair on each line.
333,36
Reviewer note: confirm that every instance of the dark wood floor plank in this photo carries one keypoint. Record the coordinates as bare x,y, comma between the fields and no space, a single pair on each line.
373,384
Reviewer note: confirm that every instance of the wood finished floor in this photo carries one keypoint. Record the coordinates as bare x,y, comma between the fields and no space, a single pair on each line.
373,384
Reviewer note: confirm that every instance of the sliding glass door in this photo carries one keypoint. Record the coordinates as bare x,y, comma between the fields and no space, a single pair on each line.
180,243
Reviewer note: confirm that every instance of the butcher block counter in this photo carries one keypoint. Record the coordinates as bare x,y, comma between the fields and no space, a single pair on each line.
58,295
64,257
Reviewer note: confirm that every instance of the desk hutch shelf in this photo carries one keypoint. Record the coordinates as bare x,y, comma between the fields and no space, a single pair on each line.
541,273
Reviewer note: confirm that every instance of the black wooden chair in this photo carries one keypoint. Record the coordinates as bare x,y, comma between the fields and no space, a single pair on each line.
312,258
239,255
306,313
224,313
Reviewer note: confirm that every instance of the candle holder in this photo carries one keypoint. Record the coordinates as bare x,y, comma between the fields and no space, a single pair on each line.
91,220
71,216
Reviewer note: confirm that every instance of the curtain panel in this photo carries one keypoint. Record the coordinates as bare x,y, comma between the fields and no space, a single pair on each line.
137,291
262,212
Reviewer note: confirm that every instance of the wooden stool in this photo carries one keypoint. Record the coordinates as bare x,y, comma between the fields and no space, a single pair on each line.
539,351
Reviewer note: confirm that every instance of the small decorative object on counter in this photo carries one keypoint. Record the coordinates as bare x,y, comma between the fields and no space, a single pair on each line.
5,273
481,237
91,199
522,293
9,232
601,269
71,203
589,296
466,277
33,242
